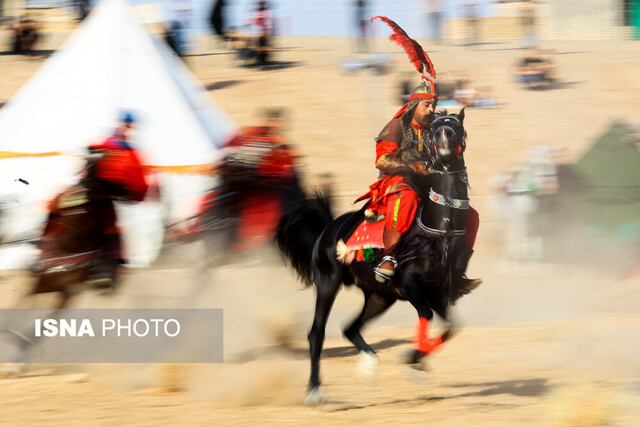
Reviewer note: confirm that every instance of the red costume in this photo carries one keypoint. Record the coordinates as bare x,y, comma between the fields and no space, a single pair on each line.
121,167
401,148
116,174
263,154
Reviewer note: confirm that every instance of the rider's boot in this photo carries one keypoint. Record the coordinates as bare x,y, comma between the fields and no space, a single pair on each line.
387,267
102,273
464,283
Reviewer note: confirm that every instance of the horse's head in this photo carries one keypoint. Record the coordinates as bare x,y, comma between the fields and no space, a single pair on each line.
447,139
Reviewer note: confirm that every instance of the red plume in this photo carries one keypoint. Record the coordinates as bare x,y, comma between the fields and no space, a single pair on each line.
416,54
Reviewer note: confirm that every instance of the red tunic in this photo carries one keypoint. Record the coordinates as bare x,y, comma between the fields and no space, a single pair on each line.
121,166
391,195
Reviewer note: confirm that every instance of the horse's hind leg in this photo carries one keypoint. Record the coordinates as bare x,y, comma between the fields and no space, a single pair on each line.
327,286
374,305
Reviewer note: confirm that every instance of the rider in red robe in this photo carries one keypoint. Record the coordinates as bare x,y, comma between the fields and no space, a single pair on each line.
113,171
259,180
401,149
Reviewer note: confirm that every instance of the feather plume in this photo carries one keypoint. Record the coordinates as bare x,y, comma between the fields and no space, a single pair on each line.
417,55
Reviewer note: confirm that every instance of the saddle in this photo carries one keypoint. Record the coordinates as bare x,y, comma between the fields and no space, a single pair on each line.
364,243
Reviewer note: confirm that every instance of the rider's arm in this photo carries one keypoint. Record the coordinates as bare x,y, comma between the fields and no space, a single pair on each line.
387,147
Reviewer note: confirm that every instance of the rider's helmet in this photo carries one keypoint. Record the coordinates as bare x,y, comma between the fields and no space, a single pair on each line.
127,117
422,64
426,90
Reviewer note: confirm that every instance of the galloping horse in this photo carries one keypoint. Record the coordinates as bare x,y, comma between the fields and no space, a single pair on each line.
429,253
69,243
68,251
259,181
79,245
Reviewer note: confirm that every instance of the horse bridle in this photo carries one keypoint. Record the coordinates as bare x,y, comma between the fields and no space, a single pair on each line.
432,147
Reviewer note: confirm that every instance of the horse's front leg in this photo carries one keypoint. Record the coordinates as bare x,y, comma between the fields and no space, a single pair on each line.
422,344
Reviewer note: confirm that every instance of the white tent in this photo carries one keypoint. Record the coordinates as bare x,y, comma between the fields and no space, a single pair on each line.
108,65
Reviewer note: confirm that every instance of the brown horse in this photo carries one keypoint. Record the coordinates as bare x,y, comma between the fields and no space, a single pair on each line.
78,229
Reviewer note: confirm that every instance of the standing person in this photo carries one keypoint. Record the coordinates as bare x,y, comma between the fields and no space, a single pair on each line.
262,20
471,18
25,36
84,6
173,37
217,19
528,21
361,24
434,20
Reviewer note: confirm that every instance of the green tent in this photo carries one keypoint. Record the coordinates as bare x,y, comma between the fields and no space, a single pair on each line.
610,175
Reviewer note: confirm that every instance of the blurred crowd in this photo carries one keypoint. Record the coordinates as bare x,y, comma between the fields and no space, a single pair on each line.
25,34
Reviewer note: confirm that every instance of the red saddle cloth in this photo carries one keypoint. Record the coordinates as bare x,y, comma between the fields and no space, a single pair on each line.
367,235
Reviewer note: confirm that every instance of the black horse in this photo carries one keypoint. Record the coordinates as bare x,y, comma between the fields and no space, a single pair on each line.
430,253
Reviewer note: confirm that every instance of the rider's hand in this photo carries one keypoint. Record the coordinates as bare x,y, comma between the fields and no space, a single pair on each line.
422,168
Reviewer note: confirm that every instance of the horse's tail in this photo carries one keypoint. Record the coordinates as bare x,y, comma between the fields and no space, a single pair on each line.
298,231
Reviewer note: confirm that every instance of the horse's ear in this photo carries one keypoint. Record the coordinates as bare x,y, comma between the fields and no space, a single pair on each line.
461,114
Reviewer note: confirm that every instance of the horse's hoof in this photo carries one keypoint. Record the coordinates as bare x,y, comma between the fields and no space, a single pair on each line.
418,373
368,363
12,369
315,397
412,357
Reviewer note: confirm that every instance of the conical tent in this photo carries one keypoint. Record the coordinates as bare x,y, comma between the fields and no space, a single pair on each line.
108,65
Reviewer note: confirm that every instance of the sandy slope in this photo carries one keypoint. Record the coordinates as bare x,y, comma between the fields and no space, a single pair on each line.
542,344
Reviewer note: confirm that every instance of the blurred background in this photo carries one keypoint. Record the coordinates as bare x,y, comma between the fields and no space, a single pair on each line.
241,106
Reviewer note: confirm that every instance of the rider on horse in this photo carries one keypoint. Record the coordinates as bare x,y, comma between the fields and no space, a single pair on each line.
258,182
401,148
260,154
117,174
113,171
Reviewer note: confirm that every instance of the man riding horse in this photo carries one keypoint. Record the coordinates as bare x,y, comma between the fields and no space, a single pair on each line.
424,176
113,172
401,148
258,181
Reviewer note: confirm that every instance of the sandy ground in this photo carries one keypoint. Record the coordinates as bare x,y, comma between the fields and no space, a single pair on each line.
540,344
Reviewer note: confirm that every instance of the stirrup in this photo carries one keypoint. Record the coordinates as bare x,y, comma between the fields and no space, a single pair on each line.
100,276
100,282
382,276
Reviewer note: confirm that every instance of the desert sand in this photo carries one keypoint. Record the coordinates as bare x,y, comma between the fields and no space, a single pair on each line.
540,344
